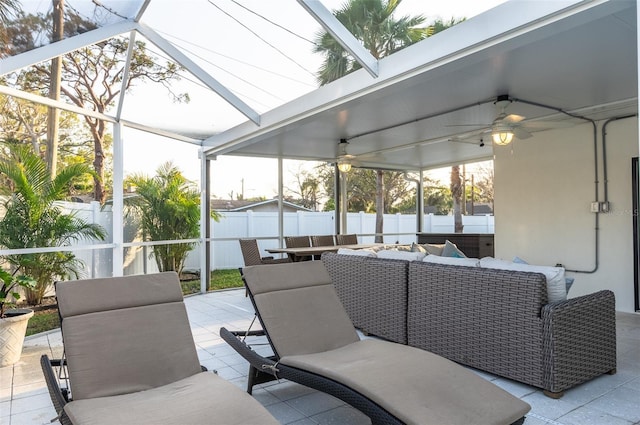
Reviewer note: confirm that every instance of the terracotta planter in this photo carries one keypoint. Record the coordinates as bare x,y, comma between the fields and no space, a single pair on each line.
12,331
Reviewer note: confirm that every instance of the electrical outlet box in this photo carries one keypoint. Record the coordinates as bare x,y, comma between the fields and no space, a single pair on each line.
605,207
595,207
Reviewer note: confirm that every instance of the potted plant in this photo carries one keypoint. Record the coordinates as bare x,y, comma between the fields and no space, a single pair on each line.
13,323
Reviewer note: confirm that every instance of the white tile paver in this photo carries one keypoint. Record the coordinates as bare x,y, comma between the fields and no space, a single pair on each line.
606,400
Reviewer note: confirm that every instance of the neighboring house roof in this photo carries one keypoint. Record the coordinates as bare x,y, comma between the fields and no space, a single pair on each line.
479,209
241,205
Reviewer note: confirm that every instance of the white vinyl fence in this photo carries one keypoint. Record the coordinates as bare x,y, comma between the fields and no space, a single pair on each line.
398,228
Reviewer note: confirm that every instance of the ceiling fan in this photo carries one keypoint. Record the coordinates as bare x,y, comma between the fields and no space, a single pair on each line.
345,160
505,126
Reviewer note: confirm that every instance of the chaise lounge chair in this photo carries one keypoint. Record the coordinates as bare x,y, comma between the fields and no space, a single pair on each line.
316,345
131,359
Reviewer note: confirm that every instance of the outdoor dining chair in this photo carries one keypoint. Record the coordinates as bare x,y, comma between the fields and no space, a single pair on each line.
322,240
389,382
298,242
252,257
130,358
350,239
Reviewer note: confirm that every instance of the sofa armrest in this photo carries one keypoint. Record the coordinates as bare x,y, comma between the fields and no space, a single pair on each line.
579,340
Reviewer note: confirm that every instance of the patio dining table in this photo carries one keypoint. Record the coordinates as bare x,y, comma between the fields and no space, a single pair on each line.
297,253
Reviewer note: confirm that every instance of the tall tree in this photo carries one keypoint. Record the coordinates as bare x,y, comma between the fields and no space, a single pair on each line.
373,23
54,88
483,185
8,9
307,190
361,190
92,76
456,195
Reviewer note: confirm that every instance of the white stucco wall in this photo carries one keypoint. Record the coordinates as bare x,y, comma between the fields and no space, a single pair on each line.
543,190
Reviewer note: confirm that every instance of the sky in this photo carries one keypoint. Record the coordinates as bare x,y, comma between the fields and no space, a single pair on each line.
283,69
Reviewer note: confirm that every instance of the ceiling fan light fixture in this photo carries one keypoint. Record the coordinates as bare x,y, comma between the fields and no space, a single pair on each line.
344,165
501,135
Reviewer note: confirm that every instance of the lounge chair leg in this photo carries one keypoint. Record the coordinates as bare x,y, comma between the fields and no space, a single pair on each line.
250,379
257,377
553,395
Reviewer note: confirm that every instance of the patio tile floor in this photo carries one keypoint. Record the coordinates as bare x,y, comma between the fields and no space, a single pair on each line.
606,400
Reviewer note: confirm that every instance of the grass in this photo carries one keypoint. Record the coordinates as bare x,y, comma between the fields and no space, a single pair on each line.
46,320
42,321
220,279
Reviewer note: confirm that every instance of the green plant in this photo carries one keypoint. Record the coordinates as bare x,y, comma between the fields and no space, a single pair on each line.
10,283
168,207
33,220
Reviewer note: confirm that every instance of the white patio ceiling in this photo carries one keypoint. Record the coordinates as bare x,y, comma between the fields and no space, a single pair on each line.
578,56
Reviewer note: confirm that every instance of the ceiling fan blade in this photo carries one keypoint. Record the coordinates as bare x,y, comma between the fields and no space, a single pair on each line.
513,118
469,125
543,125
521,133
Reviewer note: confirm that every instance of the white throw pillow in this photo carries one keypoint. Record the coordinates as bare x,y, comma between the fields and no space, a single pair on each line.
453,261
433,249
556,285
401,255
360,252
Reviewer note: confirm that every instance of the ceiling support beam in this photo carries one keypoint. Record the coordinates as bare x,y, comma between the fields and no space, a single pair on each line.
335,28
9,91
59,48
125,74
199,73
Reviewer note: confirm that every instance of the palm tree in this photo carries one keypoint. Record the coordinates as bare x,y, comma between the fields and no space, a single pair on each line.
372,22
168,206
33,220
7,9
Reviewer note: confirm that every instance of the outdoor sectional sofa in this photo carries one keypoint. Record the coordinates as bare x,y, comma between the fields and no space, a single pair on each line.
493,320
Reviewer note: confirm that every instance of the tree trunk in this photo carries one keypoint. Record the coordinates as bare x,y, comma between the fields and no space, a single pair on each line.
97,131
379,205
54,89
456,194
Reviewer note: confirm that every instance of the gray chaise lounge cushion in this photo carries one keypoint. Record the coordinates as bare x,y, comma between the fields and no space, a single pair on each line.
132,359
297,302
203,398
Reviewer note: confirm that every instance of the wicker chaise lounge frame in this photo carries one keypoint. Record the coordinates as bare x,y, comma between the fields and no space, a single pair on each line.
145,374
263,369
